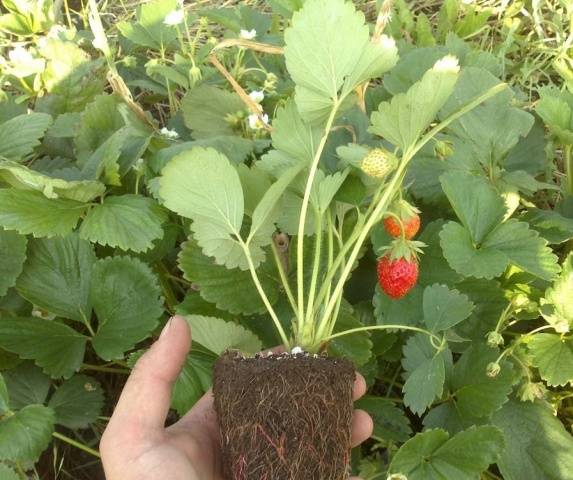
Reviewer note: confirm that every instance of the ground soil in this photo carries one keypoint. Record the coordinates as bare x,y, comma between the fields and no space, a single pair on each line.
284,417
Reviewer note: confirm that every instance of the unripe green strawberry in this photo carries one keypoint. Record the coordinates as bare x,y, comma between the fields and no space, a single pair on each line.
378,163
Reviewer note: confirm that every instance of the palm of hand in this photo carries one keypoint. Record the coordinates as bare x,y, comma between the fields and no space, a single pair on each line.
137,446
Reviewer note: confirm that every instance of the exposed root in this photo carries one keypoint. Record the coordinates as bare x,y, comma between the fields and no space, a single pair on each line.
284,417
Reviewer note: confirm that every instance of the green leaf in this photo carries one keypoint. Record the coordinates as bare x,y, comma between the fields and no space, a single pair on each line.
293,136
403,119
130,222
126,299
434,268
6,473
551,225
23,178
467,260
4,397
20,135
219,336
149,30
405,311
476,203
556,109
55,347
432,455
193,381
267,211
524,248
26,434
444,308
557,306
485,247
230,290
71,77
473,396
100,120
553,356
493,128
537,444
205,110
31,212
390,422
426,370
77,402
325,188
12,257
57,276
27,385
255,183
328,52
202,185
477,394
356,346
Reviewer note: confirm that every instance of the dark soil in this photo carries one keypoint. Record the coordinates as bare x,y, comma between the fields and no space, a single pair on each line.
284,417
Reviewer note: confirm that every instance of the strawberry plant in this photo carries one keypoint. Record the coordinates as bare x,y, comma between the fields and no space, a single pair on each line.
301,178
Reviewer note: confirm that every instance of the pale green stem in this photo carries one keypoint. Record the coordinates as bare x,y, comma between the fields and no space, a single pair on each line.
521,339
303,213
382,327
382,205
86,322
454,116
263,295
283,277
568,161
330,229
396,180
326,288
315,267
325,326
76,444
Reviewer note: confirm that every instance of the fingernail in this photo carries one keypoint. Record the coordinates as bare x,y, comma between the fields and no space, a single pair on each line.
165,328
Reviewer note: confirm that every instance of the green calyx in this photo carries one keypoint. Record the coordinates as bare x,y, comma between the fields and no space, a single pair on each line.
402,248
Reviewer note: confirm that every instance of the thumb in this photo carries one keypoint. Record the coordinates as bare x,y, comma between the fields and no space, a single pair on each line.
146,397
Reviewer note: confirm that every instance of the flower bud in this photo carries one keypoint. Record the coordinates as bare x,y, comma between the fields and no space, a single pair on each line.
494,339
531,391
443,149
195,74
270,82
493,369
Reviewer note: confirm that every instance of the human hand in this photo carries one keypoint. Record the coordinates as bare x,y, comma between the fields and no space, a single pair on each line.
137,446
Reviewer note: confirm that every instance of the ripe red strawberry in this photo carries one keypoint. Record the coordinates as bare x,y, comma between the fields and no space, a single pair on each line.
398,269
397,277
410,219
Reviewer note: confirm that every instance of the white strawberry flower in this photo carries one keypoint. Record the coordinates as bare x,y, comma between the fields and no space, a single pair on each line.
248,34
387,42
174,18
257,96
23,63
257,123
20,55
170,134
56,31
447,64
